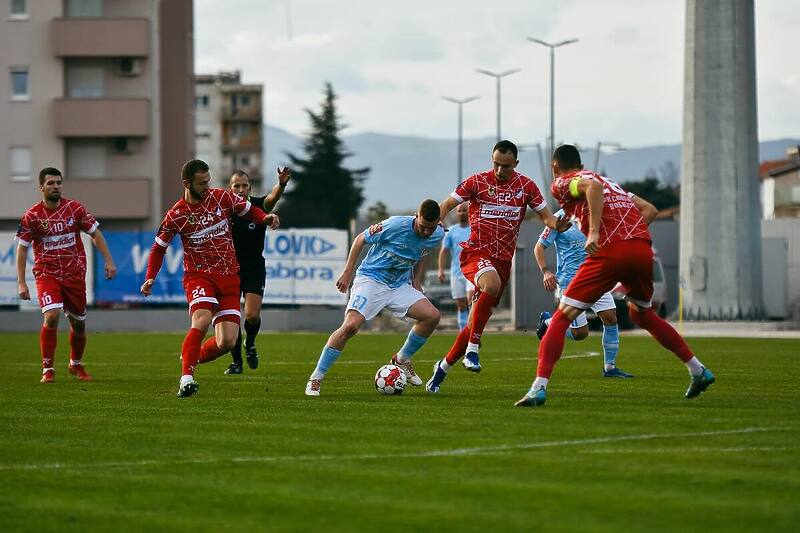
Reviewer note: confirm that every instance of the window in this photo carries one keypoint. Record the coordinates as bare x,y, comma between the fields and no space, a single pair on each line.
19,10
244,100
19,83
85,81
20,157
86,158
84,8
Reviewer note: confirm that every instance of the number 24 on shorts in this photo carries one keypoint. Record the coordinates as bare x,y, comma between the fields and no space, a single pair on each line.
198,291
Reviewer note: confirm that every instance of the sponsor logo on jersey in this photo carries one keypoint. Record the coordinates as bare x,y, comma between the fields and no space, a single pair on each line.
251,225
58,242
507,212
375,228
210,232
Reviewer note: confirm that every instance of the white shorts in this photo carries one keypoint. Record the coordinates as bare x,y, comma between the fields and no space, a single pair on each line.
370,297
605,303
459,285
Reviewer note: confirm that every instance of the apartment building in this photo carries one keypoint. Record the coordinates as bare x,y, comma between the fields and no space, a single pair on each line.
101,89
228,126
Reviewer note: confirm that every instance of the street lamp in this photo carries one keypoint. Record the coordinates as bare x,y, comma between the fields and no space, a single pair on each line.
498,76
600,146
460,102
552,48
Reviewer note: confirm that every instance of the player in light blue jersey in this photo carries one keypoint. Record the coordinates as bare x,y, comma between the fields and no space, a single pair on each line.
460,288
388,278
570,254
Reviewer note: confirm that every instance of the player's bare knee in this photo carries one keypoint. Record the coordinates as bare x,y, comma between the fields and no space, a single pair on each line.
51,319
79,327
433,317
251,316
349,329
609,318
226,343
579,334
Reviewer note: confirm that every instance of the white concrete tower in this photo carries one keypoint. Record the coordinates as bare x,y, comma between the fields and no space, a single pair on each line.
720,225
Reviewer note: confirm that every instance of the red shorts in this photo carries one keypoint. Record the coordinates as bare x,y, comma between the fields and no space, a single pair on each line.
69,295
628,262
218,293
473,264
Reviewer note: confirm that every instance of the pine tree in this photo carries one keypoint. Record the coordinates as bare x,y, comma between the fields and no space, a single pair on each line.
323,193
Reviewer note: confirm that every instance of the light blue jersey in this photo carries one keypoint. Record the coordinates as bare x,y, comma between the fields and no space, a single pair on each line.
570,253
395,249
452,240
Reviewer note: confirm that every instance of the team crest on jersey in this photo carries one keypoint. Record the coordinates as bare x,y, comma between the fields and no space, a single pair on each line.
191,219
518,194
45,224
219,213
70,220
491,192
376,228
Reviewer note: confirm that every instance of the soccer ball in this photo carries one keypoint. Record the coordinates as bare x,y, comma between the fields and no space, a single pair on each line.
390,379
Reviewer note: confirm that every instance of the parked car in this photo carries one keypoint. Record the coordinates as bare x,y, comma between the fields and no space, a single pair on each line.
437,292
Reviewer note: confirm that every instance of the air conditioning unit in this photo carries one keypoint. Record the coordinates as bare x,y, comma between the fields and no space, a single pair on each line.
125,145
129,66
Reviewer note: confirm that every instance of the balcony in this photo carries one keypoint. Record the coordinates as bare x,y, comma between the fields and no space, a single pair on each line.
112,198
102,117
240,114
100,37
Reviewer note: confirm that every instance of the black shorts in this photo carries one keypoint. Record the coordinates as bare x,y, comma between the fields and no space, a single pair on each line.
251,279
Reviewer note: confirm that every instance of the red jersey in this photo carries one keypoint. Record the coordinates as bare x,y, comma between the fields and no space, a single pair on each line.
496,211
621,219
55,234
205,231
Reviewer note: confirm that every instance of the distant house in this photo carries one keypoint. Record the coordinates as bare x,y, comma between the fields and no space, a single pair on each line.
780,186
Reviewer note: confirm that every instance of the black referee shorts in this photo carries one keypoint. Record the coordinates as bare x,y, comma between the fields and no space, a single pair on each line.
251,279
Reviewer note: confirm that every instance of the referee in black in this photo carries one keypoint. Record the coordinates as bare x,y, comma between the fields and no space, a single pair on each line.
248,239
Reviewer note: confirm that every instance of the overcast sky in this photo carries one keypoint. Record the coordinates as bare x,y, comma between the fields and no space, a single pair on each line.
391,61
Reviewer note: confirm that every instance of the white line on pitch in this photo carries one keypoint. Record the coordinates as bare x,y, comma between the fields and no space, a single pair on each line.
483,450
683,450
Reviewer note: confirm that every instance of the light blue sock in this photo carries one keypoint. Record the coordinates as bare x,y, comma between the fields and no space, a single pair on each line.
412,345
569,334
610,344
326,359
463,315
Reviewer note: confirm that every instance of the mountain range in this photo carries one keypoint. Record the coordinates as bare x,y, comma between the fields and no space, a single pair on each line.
408,169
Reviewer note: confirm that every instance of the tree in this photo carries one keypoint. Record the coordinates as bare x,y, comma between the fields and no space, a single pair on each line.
377,212
323,193
651,190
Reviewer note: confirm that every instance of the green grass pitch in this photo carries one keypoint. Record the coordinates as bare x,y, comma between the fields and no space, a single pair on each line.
252,453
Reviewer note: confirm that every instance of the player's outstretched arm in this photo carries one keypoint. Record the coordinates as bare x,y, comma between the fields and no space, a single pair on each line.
593,192
258,216
284,175
344,281
101,244
446,206
548,278
648,210
559,224
22,260
442,255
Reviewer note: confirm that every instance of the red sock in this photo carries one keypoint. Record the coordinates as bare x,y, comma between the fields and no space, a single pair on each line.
459,347
48,338
209,351
481,311
661,331
552,344
190,350
77,343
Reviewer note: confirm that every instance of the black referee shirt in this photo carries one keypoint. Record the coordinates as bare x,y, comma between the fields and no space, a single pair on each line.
248,239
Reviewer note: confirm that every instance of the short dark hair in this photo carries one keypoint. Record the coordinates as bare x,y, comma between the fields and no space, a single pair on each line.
568,157
429,209
192,167
239,173
48,171
506,146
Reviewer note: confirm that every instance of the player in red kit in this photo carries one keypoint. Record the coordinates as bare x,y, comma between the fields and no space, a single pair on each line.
619,246
211,273
498,199
53,228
